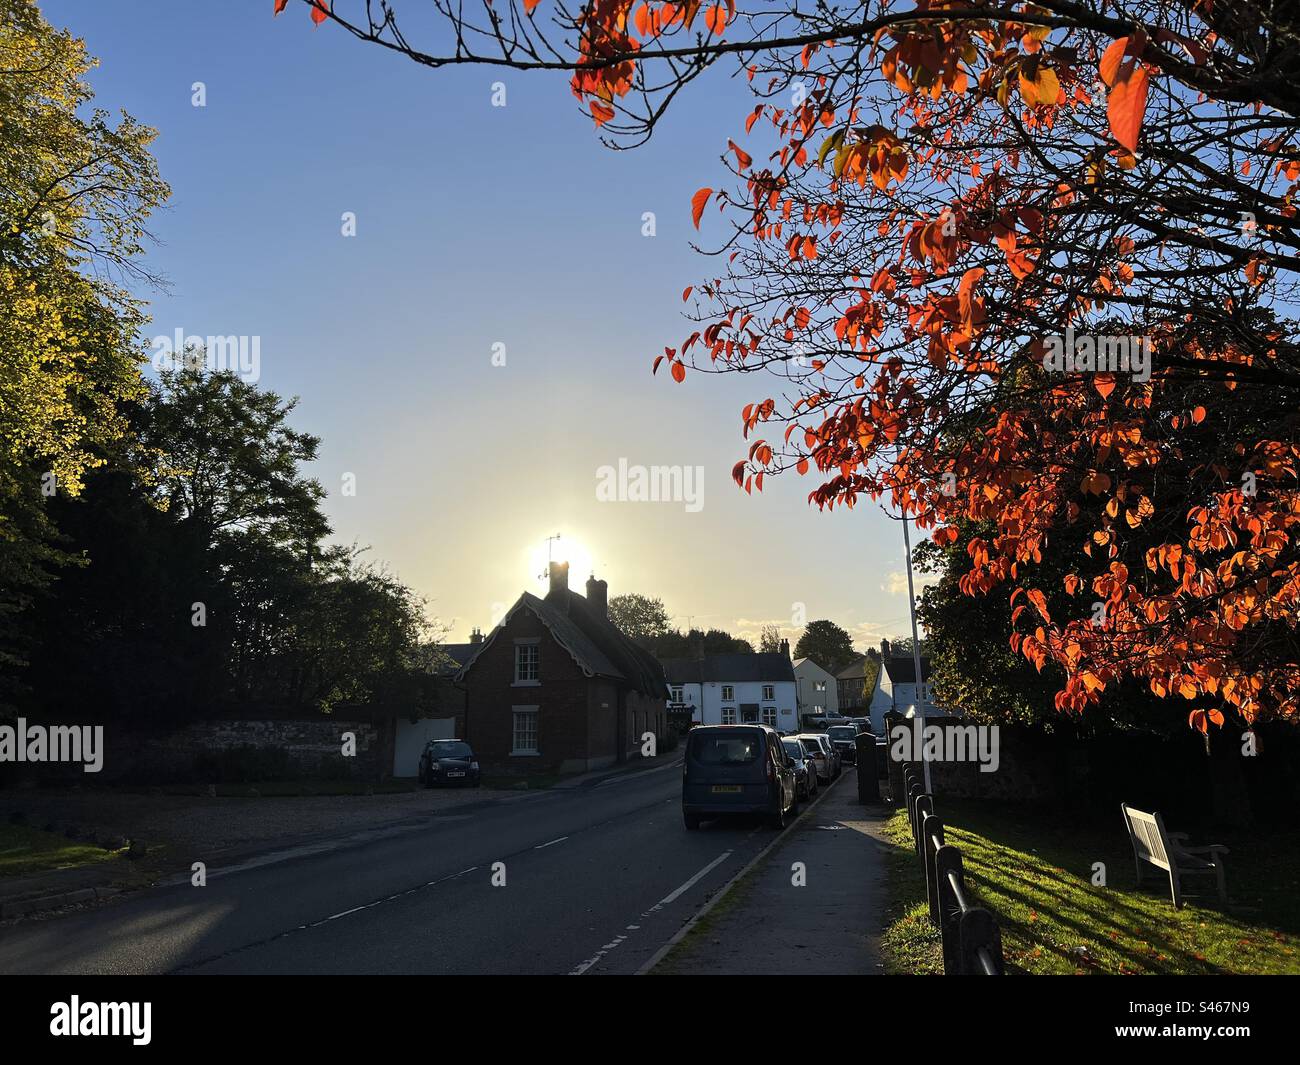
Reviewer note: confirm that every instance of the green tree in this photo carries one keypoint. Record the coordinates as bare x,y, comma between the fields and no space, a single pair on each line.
639,616
769,640
75,192
826,644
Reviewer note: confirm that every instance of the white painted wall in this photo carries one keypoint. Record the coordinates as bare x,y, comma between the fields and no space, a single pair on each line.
808,674
898,697
709,704
411,737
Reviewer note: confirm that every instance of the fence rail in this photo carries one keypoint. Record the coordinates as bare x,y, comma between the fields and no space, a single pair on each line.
972,941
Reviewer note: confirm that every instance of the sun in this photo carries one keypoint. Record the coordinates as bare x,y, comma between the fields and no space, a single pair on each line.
566,548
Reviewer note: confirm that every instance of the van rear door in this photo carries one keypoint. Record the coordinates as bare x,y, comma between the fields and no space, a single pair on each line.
726,767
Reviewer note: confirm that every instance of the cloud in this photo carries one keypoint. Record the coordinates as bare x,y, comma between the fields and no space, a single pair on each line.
896,582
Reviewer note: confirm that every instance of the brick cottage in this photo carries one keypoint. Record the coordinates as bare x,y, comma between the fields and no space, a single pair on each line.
557,687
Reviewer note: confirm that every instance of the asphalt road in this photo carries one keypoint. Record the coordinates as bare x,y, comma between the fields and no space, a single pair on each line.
596,880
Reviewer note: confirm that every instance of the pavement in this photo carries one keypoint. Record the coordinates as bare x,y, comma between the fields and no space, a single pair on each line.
770,923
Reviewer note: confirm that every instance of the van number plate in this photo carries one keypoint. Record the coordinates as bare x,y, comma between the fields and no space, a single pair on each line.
726,789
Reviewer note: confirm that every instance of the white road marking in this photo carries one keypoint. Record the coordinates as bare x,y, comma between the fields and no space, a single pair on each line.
667,900
551,844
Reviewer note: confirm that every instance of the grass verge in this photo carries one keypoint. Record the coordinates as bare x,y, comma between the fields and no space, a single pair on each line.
25,851
1035,872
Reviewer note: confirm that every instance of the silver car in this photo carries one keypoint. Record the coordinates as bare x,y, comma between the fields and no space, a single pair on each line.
823,759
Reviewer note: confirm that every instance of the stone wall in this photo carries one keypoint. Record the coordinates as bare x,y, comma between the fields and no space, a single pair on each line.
236,751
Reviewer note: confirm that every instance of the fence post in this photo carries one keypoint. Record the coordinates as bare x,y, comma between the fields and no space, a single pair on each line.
947,859
894,770
924,809
914,793
978,929
932,834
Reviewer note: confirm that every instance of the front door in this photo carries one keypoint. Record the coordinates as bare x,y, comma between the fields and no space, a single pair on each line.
749,713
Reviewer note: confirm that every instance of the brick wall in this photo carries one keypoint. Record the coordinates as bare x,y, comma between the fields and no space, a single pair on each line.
565,699
578,716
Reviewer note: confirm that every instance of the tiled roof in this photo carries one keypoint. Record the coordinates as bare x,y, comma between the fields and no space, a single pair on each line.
596,644
729,668
903,670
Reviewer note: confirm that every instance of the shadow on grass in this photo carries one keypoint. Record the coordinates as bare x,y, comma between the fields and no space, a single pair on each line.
1066,898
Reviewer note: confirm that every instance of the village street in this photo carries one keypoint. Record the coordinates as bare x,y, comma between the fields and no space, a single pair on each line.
596,879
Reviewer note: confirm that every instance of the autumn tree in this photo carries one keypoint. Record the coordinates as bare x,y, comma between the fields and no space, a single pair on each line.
76,189
826,644
929,206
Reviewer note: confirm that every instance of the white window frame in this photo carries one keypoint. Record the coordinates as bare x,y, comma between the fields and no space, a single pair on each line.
523,646
769,716
728,693
515,713
678,693
769,692
728,715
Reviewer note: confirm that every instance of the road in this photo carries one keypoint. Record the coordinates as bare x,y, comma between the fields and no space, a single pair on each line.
596,879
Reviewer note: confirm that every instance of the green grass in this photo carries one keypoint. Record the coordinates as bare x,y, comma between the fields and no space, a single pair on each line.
24,851
1034,873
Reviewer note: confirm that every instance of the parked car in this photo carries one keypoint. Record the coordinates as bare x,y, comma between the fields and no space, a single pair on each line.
836,762
737,769
450,763
805,768
822,760
844,739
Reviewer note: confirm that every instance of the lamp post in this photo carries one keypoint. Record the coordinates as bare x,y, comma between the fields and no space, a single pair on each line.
916,650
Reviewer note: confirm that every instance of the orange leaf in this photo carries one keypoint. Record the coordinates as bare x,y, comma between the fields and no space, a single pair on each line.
319,11
698,202
1111,59
530,5
716,19
679,372
280,5
1128,104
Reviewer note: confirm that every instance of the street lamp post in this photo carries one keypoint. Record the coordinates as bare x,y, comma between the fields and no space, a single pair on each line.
916,651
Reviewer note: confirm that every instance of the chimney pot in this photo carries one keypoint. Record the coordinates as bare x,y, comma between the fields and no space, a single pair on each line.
559,578
475,637
598,595
785,648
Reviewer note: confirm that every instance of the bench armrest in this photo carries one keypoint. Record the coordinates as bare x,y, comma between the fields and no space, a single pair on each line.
1213,848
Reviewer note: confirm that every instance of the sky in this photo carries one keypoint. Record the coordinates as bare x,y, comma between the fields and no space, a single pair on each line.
480,350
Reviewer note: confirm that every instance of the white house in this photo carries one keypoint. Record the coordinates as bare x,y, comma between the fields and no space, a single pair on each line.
896,690
735,689
816,688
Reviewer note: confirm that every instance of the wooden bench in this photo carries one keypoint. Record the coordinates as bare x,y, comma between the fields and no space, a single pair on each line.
1168,851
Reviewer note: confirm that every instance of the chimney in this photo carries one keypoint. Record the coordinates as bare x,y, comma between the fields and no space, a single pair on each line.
785,648
559,580
598,596
884,648
475,638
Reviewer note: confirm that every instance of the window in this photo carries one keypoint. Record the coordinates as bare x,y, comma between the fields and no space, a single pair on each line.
527,659
769,692
769,715
819,686
525,731
728,693
728,715
677,694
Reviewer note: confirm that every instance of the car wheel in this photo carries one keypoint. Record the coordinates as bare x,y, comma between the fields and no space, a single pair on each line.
779,819
692,821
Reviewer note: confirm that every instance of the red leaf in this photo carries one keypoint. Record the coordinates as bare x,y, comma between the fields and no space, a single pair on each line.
679,372
1128,104
319,11
280,5
698,202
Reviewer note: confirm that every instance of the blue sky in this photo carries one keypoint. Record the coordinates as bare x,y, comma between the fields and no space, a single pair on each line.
476,226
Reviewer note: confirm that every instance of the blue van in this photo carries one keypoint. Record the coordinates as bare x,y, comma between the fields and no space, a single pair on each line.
737,769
